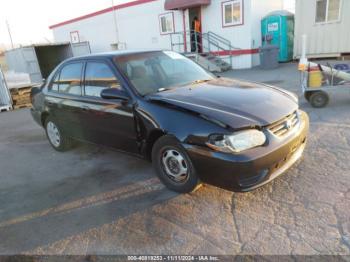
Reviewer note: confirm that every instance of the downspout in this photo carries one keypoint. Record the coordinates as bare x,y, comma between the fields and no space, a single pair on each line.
115,24
184,28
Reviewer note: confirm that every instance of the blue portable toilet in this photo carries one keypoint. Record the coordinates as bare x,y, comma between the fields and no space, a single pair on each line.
277,28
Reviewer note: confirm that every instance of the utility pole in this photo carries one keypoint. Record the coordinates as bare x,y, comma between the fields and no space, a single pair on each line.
8,29
115,24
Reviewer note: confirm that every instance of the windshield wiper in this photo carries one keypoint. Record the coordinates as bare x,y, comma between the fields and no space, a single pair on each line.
163,89
191,83
200,81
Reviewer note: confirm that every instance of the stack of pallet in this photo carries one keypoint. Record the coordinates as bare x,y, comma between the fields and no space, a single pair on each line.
21,97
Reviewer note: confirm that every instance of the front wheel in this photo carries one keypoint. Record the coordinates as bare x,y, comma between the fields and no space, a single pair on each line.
319,99
56,137
173,166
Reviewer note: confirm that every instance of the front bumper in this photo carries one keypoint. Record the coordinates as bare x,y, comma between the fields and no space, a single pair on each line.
253,168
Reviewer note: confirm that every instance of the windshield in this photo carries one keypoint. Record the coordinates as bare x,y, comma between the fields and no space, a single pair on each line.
154,72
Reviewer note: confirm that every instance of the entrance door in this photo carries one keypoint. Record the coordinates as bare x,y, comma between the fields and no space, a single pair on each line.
196,38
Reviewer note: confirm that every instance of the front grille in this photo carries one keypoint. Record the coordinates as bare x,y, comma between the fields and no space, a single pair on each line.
286,125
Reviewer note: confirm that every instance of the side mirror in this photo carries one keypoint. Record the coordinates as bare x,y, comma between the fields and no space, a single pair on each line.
113,93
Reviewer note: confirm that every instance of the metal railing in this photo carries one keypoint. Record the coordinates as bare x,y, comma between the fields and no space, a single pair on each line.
209,43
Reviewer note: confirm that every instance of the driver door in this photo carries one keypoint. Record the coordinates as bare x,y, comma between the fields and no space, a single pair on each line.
108,122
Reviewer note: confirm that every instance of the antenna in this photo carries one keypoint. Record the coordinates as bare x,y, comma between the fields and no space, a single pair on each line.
9,30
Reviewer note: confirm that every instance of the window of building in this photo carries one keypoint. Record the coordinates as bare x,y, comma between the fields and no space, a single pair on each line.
166,22
70,79
232,13
327,11
99,76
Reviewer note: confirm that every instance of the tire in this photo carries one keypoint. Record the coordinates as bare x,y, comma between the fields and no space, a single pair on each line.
319,99
307,95
173,165
56,137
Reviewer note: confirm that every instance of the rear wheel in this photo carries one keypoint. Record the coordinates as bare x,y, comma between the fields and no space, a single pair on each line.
173,166
56,137
319,99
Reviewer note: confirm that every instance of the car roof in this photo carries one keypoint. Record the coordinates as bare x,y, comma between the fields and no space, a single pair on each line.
113,54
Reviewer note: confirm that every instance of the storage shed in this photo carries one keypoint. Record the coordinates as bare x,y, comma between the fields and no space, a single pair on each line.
39,60
326,24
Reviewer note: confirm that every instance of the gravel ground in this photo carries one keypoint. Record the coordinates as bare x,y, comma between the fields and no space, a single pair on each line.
95,201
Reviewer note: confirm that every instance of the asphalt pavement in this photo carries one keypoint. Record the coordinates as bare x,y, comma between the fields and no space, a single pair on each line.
92,200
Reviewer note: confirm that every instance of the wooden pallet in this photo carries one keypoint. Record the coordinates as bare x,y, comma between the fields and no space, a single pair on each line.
21,91
21,97
21,106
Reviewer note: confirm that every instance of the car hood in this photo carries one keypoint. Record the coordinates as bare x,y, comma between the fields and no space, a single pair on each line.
235,103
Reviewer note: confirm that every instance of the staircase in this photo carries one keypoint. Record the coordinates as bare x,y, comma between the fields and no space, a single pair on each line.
210,45
210,62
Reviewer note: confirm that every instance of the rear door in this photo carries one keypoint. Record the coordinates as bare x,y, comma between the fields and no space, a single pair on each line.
108,122
64,99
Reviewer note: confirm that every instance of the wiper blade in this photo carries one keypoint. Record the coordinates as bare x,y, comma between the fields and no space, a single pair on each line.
163,89
200,81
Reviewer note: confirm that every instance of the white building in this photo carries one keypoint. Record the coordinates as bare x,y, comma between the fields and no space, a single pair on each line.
234,27
326,24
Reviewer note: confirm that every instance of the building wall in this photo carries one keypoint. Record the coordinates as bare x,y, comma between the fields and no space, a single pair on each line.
239,35
259,9
98,30
324,40
138,27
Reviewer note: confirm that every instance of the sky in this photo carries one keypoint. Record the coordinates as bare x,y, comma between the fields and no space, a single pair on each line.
29,20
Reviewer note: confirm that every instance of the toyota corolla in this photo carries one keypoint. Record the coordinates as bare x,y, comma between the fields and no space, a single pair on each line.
193,126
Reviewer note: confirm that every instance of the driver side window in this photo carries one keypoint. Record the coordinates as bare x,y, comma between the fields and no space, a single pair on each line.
99,76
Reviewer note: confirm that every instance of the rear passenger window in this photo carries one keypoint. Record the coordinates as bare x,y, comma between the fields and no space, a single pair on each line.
55,83
70,79
99,76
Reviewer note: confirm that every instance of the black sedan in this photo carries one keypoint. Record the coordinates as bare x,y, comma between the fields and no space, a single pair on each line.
194,127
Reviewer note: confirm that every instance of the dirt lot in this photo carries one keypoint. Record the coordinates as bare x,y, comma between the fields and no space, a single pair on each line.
95,201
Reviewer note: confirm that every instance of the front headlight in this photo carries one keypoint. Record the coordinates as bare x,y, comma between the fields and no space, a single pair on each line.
237,142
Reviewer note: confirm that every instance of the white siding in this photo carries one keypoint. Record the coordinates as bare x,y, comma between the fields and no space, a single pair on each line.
138,27
98,30
328,39
259,9
239,35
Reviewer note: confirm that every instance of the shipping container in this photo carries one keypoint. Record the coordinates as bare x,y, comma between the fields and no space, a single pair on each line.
39,60
5,97
326,24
